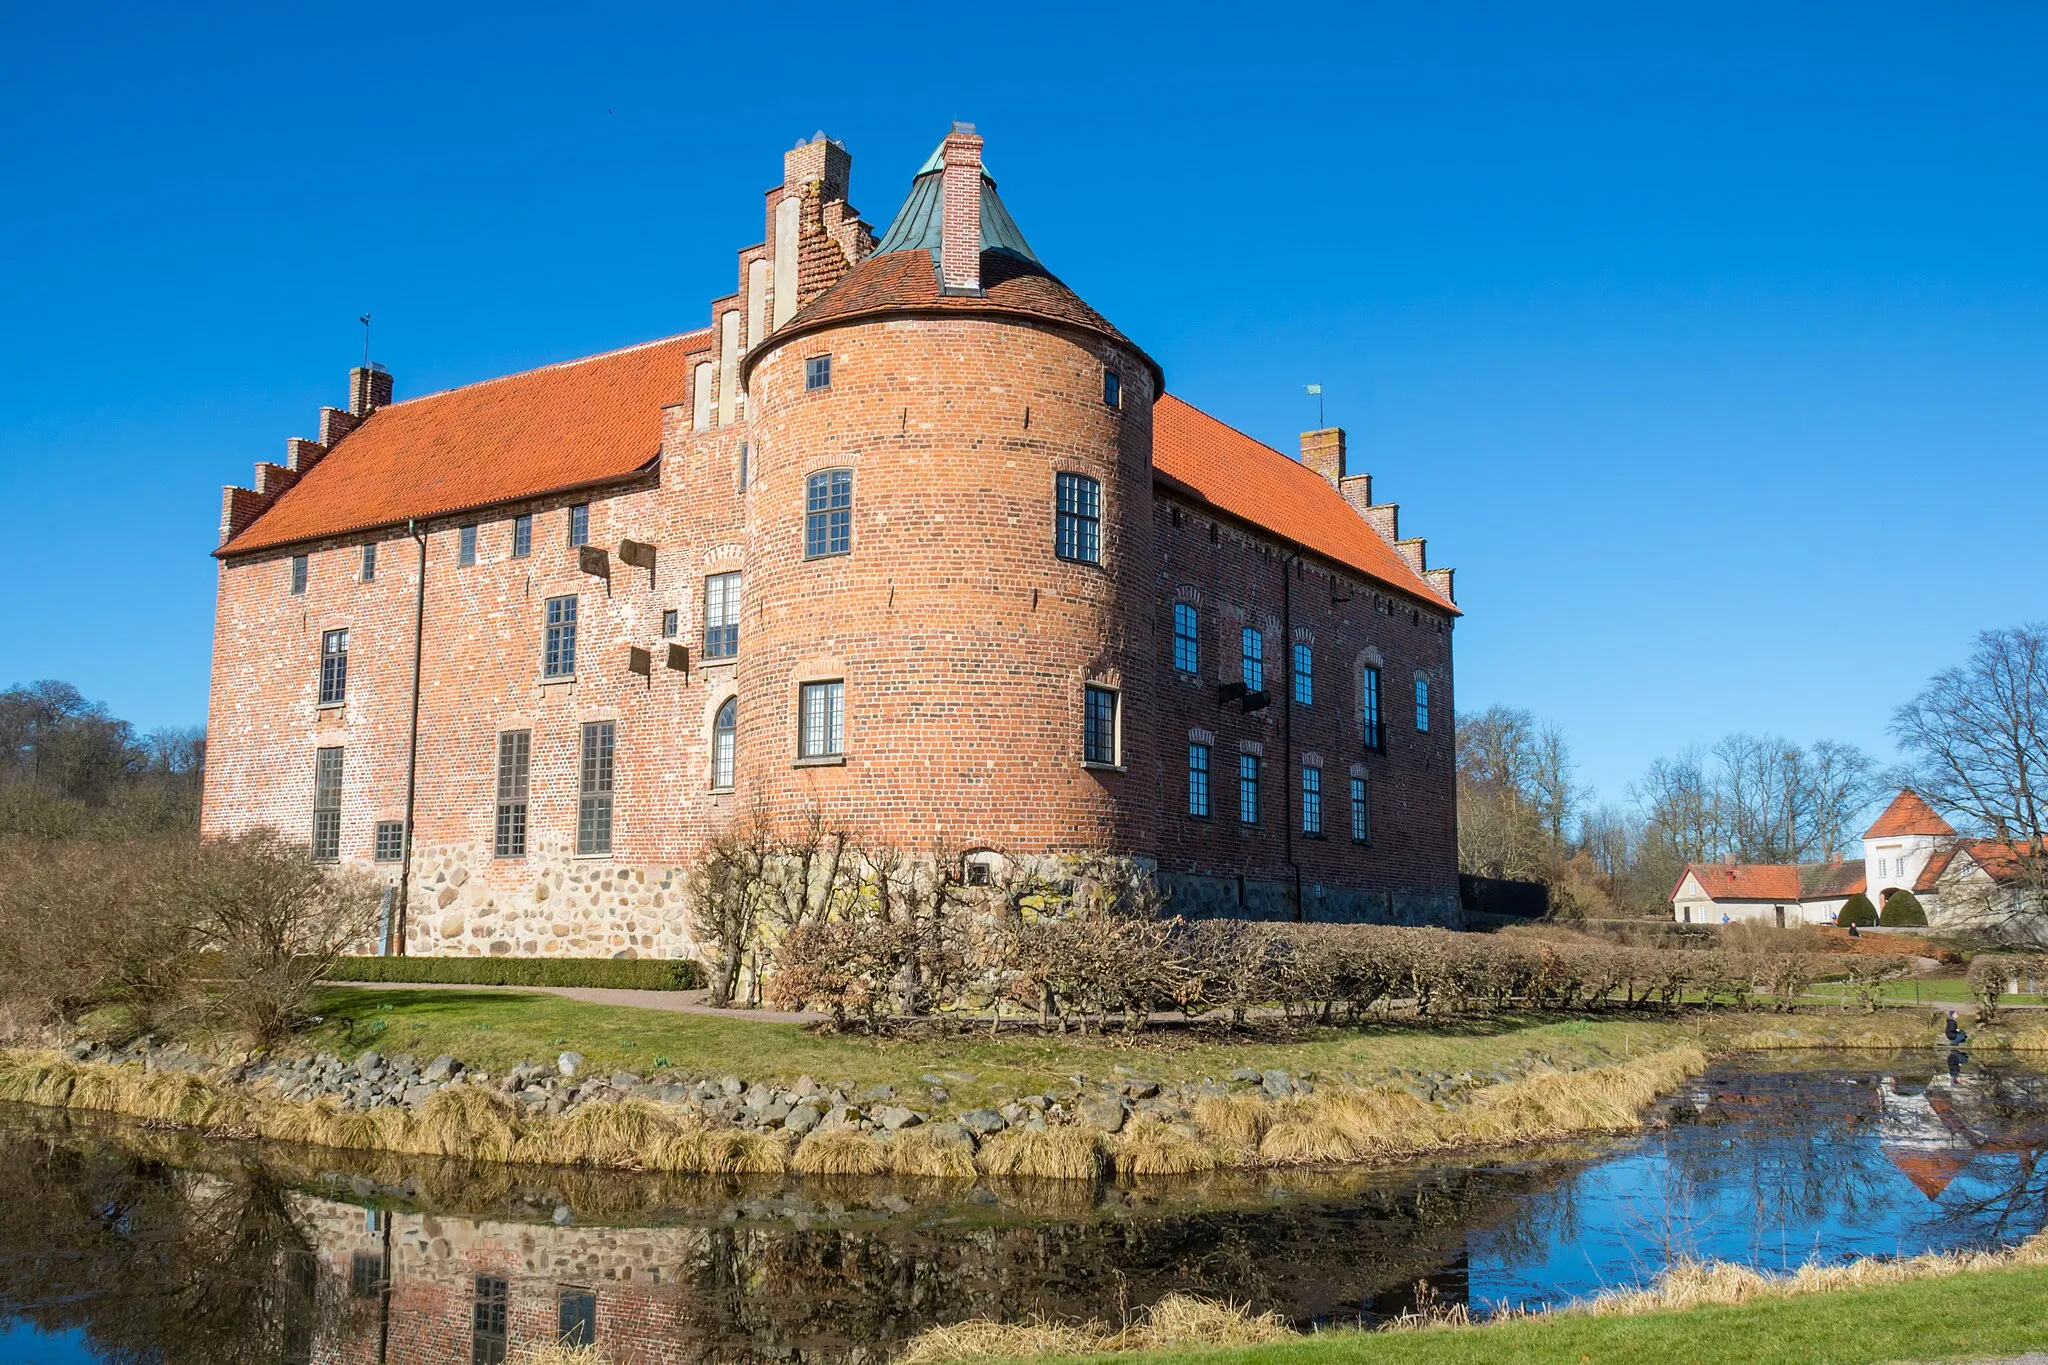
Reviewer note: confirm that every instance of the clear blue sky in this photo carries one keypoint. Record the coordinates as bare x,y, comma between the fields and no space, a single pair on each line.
1709,348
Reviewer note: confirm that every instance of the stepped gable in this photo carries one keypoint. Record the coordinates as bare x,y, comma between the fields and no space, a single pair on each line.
579,424
1197,456
1908,814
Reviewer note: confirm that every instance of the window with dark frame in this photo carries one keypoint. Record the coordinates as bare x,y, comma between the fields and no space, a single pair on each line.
579,525
365,1275
817,373
721,616
724,743
465,544
1361,812
522,535
1422,704
1254,660
828,513
578,1318
1187,638
1112,389
1369,703
1098,731
1198,780
515,772
327,805
821,719
1248,789
1304,674
387,845
1077,518
558,655
1311,800
333,667
670,624
298,575
487,1321
594,794
369,574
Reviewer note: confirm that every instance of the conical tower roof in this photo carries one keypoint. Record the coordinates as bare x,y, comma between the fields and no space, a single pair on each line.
901,276
916,225
1908,814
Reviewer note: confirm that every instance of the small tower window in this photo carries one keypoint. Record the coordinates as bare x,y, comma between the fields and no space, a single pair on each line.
1099,738
522,535
579,525
828,513
817,373
298,575
668,625
1112,389
1077,533
466,545
370,562
724,741
1421,703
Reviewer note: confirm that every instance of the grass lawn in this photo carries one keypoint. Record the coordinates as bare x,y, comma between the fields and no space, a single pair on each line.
495,1029
1960,1317
1932,990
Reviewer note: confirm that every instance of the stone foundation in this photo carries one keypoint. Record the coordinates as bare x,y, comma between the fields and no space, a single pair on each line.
1200,897
467,904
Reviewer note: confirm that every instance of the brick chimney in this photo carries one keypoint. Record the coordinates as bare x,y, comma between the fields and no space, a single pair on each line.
369,388
1323,451
960,229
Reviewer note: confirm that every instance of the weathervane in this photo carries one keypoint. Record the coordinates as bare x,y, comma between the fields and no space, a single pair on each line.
365,320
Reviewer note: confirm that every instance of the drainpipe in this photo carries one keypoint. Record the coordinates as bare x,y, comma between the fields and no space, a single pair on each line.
412,739
1289,784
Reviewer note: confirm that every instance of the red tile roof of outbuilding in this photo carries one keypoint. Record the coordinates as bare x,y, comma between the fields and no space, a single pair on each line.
578,424
1908,814
1256,483
1746,881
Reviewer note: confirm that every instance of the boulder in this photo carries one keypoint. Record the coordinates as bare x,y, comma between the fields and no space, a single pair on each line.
802,1119
983,1121
1105,1112
442,1068
895,1117
569,1063
949,1135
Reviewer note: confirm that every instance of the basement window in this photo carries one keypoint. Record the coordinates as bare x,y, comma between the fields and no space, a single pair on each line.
389,845
578,1318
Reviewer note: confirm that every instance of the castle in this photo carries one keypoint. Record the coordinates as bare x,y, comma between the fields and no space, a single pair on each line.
909,539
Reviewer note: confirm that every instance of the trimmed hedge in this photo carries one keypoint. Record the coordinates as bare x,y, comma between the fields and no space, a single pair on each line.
1902,910
1857,911
617,973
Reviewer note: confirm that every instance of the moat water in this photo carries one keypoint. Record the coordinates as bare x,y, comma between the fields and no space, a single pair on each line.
121,1244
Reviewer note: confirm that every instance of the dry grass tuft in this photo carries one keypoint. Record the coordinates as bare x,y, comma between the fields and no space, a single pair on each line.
915,1154
1045,1154
1000,1341
840,1154
553,1353
1149,1147
1694,1284
1237,1121
467,1121
1178,1321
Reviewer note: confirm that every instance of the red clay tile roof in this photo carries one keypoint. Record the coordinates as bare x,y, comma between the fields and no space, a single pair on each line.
573,425
1931,873
1908,814
908,282
1825,881
1929,1172
2000,861
1745,881
1194,453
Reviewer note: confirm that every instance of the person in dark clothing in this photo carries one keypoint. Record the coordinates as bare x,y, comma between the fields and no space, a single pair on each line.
1954,1032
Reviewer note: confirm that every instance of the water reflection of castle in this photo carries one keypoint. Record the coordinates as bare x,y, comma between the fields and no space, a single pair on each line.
1932,1132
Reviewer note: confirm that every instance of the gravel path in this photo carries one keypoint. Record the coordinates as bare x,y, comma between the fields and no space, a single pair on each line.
675,1002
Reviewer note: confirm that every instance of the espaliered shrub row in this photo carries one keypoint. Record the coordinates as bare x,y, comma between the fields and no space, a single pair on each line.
637,974
1085,968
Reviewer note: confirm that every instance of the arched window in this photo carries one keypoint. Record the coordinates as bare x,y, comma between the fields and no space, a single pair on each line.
724,736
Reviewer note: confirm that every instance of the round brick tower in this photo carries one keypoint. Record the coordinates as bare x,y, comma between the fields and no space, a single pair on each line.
919,429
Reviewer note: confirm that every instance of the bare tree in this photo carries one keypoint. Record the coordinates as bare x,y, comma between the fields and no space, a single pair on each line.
1978,735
